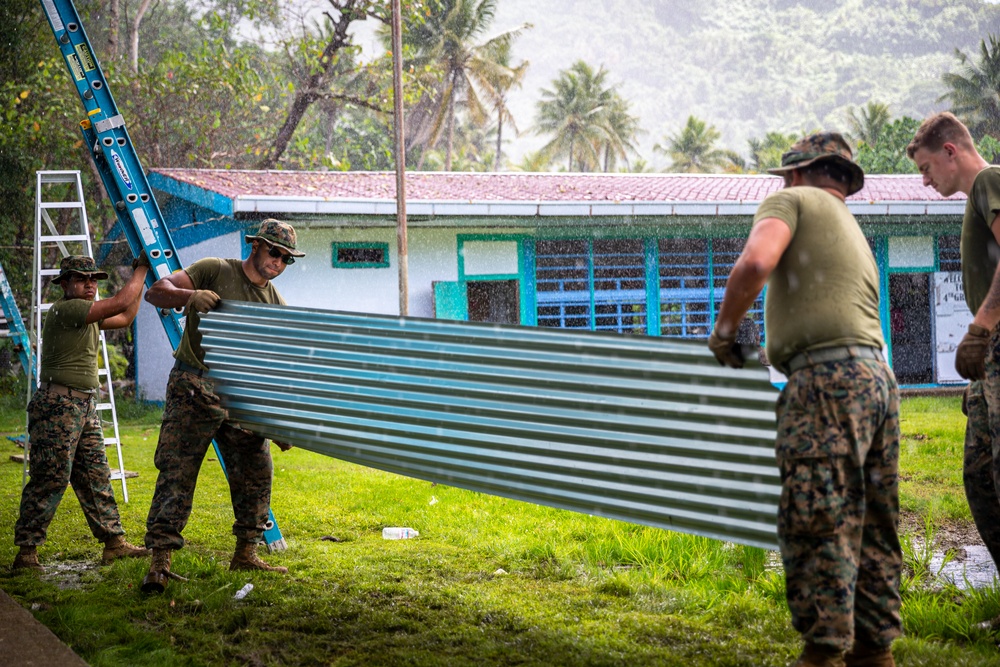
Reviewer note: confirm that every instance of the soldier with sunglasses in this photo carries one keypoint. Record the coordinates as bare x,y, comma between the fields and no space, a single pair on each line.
193,415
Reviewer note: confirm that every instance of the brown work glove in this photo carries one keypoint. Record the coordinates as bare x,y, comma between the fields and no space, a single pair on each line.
726,350
203,300
283,446
141,260
970,357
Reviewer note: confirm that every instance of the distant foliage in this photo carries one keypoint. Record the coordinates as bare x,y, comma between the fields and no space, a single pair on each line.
888,154
974,90
693,149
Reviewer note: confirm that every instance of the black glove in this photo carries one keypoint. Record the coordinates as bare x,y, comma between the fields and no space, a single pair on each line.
726,350
970,357
141,260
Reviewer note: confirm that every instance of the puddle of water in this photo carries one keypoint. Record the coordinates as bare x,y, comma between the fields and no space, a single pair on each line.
68,575
972,568
975,570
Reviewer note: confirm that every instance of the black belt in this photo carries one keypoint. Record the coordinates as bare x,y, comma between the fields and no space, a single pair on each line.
188,368
827,354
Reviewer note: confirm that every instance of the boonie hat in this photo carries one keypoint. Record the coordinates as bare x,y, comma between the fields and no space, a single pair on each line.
278,233
79,264
818,147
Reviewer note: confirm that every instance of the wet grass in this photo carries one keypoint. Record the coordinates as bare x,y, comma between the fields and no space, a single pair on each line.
489,580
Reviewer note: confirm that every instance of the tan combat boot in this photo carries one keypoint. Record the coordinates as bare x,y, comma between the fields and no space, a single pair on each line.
159,572
116,547
814,655
246,558
27,559
866,655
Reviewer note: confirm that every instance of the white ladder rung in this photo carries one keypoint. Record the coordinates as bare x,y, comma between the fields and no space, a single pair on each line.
61,204
103,406
110,441
116,474
64,237
50,272
58,176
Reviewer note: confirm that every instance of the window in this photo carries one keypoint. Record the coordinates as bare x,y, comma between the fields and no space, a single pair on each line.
597,285
949,258
360,255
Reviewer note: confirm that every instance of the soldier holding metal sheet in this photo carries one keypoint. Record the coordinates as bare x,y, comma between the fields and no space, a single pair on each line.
949,162
193,415
838,415
64,428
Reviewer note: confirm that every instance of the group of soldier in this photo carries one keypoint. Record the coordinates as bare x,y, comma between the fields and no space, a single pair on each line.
64,430
838,414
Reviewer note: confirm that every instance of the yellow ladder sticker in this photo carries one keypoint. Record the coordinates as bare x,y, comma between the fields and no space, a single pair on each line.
86,57
74,66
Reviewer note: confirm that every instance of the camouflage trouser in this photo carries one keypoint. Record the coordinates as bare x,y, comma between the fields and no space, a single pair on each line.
838,449
192,417
981,469
66,445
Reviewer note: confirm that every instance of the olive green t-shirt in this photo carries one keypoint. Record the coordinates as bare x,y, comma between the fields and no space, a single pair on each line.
226,278
70,345
980,251
824,291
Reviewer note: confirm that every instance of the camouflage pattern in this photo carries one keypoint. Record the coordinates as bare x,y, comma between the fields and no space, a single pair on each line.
79,264
192,417
278,233
980,470
838,450
818,147
66,447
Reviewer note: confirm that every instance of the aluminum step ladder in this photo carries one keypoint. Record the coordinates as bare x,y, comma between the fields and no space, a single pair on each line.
60,194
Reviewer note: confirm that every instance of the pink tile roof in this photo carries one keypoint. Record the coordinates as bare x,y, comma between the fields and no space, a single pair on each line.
522,187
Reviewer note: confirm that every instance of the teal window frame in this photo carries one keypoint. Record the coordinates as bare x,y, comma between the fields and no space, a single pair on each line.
360,245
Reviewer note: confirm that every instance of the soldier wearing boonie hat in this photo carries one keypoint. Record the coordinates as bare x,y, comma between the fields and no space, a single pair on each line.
838,415
193,415
65,438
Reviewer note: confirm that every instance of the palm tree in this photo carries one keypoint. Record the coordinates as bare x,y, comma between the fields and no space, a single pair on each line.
975,89
575,111
447,40
693,150
869,126
766,153
620,130
499,82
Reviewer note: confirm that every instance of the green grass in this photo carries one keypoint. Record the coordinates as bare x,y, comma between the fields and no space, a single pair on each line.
489,580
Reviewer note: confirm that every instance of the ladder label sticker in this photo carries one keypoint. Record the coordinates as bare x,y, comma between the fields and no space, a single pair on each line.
142,222
122,171
50,10
74,67
86,57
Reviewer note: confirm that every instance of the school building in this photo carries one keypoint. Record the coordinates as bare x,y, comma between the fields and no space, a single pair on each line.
637,254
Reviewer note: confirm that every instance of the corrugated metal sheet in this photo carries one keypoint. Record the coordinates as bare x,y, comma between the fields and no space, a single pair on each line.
648,430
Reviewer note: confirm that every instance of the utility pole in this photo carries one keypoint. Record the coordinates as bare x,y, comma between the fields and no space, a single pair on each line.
397,96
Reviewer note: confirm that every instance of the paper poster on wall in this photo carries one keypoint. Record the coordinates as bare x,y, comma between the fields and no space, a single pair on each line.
951,320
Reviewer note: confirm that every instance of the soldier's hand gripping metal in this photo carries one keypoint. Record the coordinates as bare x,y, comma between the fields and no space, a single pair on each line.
283,446
203,300
726,350
970,357
141,260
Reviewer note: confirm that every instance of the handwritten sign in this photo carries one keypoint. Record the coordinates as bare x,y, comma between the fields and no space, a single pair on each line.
951,320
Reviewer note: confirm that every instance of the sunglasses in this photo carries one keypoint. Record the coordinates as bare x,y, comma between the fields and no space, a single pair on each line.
274,252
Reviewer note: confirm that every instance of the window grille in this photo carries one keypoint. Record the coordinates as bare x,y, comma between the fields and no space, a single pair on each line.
949,258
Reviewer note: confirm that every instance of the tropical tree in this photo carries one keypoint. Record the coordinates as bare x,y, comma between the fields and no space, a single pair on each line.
575,111
975,89
765,153
693,150
887,154
868,125
620,131
471,72
502,80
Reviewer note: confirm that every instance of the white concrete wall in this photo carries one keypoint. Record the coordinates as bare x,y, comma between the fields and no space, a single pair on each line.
312,282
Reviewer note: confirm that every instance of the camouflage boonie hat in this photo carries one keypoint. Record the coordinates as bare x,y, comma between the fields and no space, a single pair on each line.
276,232
818,147
79,264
